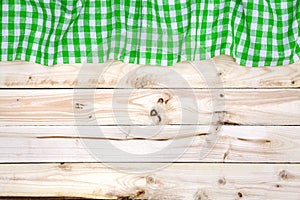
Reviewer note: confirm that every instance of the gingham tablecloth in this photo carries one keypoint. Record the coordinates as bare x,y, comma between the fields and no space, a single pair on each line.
156,32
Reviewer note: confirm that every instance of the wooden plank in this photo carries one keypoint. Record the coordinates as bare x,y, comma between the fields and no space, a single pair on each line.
20,74
128,107
177,181
186,144
44,198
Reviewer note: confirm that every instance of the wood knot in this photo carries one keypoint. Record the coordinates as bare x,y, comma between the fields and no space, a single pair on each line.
292,82
79,106
283,175
137,195
140,193
201,195
159,118
222,181
225,155
160,100
65,167
240,195
153,113
150,180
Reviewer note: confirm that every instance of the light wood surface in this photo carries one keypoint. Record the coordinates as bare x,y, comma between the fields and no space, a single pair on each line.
111,107
47,128
21,74
177,181
186,143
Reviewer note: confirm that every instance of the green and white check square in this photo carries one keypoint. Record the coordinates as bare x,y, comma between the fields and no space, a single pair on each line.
156,32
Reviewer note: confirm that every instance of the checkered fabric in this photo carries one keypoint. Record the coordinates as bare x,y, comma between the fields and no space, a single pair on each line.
156,32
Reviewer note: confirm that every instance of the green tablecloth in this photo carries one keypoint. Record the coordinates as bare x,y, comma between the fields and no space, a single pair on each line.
156,32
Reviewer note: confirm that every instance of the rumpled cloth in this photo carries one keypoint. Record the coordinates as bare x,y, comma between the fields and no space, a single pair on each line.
155,32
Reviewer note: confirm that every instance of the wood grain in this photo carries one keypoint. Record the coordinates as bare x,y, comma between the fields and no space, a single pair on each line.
20,74
48,125
171,143
128,107
177,181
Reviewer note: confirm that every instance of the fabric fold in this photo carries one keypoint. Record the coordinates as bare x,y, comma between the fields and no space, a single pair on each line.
152,32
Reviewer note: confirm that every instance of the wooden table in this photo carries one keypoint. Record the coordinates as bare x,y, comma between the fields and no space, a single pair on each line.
256,154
